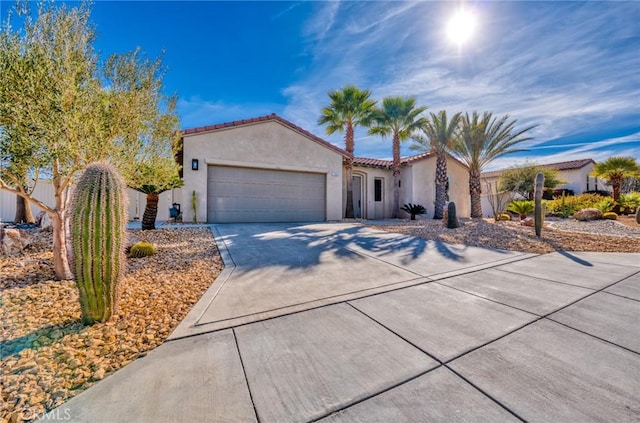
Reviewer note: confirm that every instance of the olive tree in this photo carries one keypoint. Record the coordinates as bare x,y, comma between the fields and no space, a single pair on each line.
62,108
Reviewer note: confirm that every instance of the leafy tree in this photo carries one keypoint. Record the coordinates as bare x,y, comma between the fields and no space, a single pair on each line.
349,108
522,179
399,118
68,109
480,140
615,169
438,137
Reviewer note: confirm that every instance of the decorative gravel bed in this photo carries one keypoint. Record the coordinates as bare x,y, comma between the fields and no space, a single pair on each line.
561,234
48,355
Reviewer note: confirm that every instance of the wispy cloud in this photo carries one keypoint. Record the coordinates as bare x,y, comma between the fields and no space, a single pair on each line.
569,67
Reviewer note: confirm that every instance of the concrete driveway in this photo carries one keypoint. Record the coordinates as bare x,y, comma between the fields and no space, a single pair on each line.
339,322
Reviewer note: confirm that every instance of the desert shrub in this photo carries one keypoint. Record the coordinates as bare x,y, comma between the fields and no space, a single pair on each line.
568,205
610,216
630,202
142,249
521,207
414,209
605,205
586,215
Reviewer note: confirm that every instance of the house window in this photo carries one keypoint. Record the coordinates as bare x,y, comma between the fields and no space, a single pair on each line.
377,187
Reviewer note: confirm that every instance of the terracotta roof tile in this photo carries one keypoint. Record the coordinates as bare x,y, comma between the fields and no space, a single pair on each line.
273,117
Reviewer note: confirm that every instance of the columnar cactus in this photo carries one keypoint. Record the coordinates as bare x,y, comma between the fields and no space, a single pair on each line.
538,210
452,218
97,224
638,215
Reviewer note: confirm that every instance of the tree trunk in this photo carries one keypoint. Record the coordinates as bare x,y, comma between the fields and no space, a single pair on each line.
615,184
441,186
475,190
150,212
60,251
395,212
23,211
349,211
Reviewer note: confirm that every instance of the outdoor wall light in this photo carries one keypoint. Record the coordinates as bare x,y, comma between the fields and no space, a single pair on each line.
194,164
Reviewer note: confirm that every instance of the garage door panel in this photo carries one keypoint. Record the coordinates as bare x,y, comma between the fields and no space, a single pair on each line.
263,195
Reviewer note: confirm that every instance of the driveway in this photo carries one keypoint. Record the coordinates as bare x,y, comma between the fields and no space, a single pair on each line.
340,322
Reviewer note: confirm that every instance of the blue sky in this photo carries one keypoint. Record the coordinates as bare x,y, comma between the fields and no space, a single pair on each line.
573,68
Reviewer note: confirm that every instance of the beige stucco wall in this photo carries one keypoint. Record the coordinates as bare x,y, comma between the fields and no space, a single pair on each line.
424,190
267,145
576,180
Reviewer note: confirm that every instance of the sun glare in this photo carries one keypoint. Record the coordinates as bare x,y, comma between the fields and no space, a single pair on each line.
461,27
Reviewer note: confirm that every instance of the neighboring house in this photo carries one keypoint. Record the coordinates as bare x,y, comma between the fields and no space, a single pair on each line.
268,169
575,174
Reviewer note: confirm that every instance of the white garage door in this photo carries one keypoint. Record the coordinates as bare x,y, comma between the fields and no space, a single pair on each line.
236,194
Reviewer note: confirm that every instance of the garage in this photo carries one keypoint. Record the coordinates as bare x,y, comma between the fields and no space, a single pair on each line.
243,194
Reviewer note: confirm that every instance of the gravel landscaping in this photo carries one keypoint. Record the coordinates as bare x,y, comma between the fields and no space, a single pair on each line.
48,355
558,234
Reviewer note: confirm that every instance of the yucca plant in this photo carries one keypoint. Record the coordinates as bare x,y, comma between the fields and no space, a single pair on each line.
414,210
521,207
98,234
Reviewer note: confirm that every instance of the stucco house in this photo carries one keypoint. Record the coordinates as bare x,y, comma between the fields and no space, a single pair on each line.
267,169
574,173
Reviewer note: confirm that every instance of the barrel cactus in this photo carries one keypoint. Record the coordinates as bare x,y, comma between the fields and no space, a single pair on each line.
142,249
538,211
97,224
452,218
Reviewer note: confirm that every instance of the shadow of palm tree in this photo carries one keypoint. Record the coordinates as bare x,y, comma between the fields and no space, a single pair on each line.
40,338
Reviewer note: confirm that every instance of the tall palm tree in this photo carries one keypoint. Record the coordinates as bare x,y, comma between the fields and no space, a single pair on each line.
398,117
438,138
615,169
349,107
481,140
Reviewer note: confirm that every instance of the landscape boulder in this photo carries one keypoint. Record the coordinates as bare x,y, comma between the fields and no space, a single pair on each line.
12,241
586,215
44,221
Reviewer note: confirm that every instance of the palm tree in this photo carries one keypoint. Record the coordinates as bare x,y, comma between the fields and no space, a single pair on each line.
439,137
349,108
399,118
481,140
615,169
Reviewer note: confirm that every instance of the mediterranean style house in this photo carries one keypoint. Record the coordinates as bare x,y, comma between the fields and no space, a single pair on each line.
267,169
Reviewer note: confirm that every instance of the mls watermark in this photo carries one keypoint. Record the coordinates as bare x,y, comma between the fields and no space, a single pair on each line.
57,415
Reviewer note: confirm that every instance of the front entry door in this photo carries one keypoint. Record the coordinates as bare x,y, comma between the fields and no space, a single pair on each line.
357,196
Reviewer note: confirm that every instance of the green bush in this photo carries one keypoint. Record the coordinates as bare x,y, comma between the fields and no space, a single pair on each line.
413,209
566,206
521,207
610,216
630,202
605,205
142,249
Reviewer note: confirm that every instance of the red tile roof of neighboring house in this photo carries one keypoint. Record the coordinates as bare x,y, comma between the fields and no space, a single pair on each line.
387,164
272,117
568,165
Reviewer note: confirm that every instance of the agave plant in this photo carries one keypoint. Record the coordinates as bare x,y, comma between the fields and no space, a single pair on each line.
521,207
414,210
